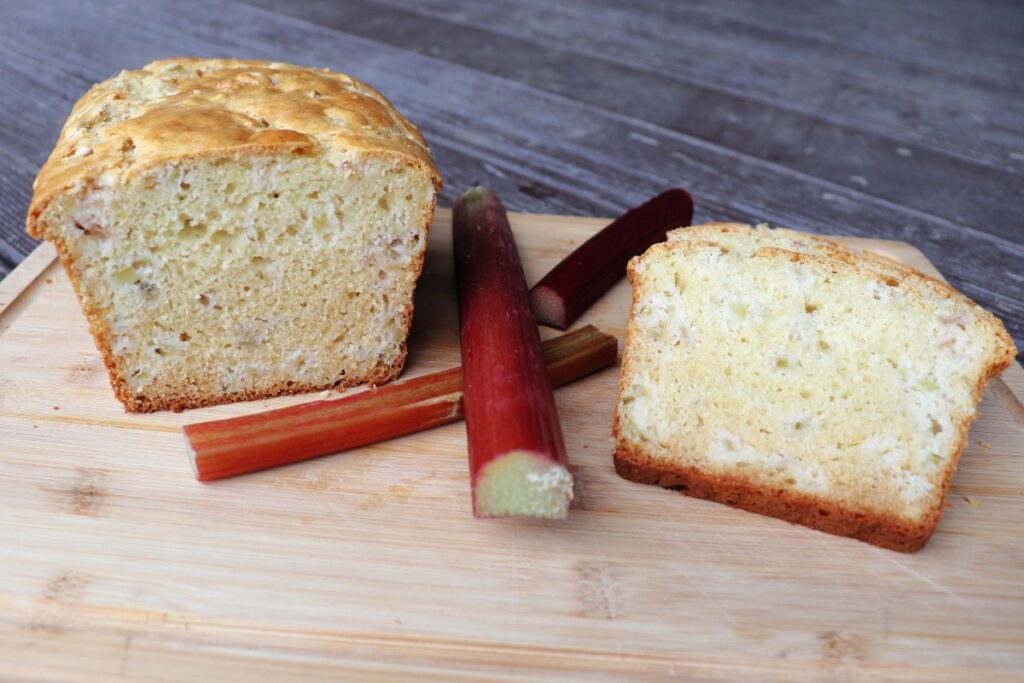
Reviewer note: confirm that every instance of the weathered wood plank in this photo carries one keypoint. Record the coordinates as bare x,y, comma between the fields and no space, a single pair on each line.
819,79
16,175
911,45
968,41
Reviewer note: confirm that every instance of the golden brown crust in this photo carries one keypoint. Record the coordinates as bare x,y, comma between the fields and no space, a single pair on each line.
141,404
872,526
179,109
824,515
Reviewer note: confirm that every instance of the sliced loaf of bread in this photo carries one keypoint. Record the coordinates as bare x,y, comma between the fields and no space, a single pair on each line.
238,230
780,373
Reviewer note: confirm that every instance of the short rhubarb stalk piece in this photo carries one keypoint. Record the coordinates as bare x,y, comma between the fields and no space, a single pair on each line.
238,445
517,457
597,264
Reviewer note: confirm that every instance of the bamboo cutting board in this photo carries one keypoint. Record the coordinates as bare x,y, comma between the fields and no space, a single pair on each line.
115,562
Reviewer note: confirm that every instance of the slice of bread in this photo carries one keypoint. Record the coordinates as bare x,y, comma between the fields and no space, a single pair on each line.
238,229
780,373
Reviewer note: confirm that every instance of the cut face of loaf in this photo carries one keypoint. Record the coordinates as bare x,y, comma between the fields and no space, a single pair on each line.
245,229
762,372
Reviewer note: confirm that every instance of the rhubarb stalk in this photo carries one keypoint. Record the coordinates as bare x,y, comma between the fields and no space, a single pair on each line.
225,448
589,271
517,459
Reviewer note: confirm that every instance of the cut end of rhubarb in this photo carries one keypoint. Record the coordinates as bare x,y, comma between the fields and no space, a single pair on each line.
548,307
523,484
193,459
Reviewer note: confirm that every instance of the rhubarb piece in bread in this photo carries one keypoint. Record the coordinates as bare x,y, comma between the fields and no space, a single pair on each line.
779,373
239,229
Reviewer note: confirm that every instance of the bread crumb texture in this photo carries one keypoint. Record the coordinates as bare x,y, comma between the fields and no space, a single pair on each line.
779,372
239,229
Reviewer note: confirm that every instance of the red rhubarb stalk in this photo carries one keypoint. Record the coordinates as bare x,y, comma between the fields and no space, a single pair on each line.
597,264
517,457
225,448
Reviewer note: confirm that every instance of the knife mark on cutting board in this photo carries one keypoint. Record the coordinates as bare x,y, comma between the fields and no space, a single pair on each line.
63,586
85,496
598,592
48,614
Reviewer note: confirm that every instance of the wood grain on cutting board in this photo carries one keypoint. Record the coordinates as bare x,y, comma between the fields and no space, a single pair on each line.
368,565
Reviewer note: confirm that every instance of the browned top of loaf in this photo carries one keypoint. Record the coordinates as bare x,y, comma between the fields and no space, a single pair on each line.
186,108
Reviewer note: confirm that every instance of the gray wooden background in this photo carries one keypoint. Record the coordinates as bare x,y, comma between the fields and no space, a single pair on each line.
892,119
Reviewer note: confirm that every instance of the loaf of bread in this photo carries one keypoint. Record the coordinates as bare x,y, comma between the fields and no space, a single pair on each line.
237,230
783,374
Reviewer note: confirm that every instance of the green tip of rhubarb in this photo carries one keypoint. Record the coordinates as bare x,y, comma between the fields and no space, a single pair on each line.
523,484
474,195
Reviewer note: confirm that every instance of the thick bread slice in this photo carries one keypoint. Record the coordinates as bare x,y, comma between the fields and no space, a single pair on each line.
237,230
784,375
